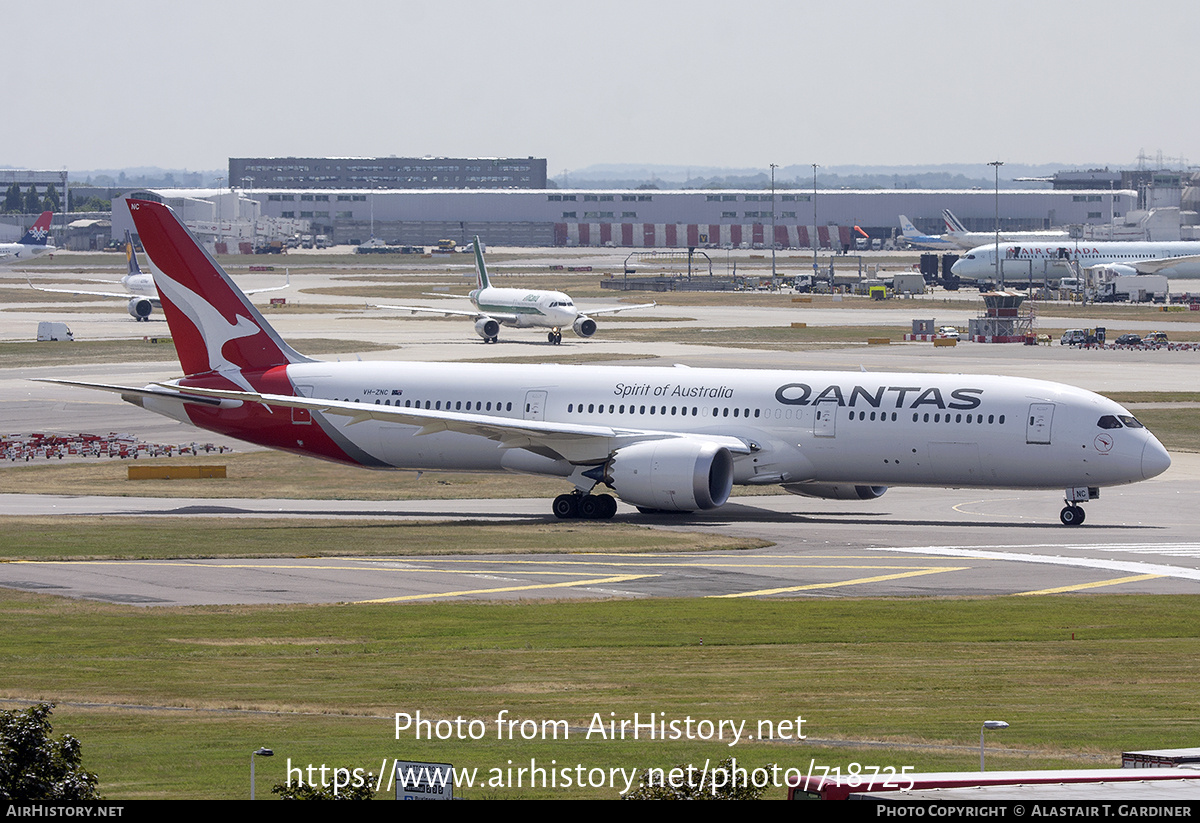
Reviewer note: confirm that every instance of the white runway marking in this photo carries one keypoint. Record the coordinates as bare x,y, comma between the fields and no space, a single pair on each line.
1178,549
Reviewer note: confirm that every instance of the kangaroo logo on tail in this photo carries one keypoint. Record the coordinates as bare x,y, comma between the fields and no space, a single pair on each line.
216,329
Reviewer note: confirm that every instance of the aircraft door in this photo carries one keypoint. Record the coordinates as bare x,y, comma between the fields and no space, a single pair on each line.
825,419
1037,428
535,405
303,417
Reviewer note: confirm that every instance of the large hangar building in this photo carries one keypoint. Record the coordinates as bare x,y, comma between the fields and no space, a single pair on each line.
641,218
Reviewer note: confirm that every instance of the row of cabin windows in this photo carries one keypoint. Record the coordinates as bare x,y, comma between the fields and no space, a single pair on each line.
958,418
936,417
681,411
448,405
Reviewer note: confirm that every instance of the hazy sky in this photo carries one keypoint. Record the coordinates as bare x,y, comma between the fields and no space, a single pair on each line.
94,84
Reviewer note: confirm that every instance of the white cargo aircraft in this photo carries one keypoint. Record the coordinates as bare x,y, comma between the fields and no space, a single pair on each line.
663,439
519,308
139,287
1177,259
33,243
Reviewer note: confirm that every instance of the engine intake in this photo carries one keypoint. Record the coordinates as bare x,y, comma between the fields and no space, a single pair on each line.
487,328
140,307
672,475
584,326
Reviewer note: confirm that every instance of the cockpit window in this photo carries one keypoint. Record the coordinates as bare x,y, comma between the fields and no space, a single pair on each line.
1108,422
1131,421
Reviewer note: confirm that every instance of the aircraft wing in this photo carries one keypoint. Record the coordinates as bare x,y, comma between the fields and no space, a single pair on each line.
615,309
1155,266
574,442
473,313
127,295
133,391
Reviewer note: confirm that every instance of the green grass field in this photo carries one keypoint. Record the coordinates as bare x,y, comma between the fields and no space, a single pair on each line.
170,702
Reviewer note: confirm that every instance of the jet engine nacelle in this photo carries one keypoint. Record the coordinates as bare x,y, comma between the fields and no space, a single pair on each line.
140,307
1119,269
487,328
584,326
835,491
678,474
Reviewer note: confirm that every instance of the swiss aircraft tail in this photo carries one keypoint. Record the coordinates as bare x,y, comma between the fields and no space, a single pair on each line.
39,232
953,224
481,275
214,325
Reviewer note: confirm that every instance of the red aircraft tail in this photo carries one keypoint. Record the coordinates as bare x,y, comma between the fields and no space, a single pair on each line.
215,328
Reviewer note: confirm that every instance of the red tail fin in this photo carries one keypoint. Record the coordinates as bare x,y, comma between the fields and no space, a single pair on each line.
39,232
216,329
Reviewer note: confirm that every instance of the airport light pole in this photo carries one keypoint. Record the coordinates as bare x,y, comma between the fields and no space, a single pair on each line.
773,167
996,164
816,234
988,724
262,752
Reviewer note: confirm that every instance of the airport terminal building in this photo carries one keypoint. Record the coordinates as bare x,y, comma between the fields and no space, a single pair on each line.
641,218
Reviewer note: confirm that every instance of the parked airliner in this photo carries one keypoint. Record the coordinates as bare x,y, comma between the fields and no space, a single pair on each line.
663,439
957,233
1177,259
139,286
915,239
33,243
519,308
957,237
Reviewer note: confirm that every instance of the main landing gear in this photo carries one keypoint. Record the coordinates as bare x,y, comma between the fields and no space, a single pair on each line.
577,505
554,337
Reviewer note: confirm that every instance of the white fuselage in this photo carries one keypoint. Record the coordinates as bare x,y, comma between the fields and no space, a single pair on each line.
14,252
825,427
540,309
981,260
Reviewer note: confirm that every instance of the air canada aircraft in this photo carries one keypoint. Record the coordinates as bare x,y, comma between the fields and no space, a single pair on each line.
1172,259
520,308
139,287
663,439
33,243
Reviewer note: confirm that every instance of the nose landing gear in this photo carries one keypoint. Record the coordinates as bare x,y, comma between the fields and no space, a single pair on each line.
554,337
1072,513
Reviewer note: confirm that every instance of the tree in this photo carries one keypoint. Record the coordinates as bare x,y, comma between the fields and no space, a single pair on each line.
13,199
51,202
725,781
35,767
33,202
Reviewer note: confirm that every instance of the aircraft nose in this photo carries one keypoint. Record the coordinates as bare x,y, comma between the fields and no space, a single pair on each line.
1155,459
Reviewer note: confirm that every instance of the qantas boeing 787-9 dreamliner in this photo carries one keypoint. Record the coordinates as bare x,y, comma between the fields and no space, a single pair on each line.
662,439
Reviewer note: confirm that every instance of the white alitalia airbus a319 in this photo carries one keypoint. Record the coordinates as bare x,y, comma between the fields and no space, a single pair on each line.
663,439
